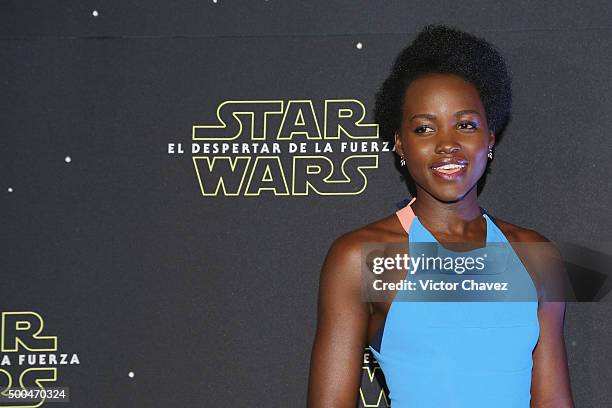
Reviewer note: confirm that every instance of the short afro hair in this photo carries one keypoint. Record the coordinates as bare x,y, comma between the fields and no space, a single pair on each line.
443,49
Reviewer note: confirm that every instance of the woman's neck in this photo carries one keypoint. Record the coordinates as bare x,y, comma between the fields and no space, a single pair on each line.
458,218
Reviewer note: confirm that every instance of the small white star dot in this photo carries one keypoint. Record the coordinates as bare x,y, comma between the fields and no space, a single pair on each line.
359,45
131,374
214,1
10,189
94,13
67,159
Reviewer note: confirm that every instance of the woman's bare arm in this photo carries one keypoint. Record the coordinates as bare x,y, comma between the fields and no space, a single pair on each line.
337,352
550,383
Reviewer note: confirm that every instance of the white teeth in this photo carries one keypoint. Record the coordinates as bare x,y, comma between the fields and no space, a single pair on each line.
450,167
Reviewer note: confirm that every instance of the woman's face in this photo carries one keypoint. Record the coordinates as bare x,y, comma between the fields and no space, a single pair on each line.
444,135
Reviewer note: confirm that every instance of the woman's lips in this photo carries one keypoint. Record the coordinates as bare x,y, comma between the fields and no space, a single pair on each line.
451,170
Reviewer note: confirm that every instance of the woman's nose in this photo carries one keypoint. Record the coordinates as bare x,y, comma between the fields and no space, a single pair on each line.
447,146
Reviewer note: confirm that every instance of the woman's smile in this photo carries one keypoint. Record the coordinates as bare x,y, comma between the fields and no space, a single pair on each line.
450,169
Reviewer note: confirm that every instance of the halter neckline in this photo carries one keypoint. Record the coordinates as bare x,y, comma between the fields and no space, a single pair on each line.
407,217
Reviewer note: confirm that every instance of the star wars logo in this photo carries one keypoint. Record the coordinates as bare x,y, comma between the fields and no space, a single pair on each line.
285,148
28,359
373,391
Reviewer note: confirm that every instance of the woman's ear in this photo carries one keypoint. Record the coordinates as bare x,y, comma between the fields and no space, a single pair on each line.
398,145
491,139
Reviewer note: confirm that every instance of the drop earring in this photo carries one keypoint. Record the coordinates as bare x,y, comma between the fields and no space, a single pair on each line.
490,154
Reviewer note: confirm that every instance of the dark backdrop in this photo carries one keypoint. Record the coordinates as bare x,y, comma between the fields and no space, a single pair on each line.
211,301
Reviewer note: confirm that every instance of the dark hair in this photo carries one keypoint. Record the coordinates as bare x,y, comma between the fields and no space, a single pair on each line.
442,49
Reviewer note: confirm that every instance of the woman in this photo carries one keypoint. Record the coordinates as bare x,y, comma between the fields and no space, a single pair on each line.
445,101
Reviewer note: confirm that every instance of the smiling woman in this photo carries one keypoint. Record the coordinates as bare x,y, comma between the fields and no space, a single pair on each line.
444,106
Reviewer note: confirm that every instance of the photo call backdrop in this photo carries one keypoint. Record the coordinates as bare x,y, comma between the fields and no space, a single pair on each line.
157,275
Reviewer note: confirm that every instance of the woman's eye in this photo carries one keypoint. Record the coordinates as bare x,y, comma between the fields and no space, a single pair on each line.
467,125
423,129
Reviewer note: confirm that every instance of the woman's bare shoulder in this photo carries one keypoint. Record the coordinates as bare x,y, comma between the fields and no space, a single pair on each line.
347,248
386,229
530,241
541,258
515,233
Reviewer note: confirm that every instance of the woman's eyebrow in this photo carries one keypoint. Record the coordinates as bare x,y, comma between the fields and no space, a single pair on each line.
431,116
424,115
464,112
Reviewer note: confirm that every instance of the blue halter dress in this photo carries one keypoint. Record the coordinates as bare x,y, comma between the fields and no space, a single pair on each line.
468,354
